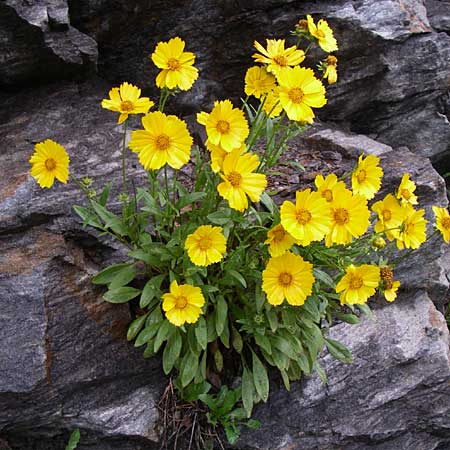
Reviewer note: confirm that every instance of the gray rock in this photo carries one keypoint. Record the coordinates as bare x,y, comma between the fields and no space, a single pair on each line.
438,12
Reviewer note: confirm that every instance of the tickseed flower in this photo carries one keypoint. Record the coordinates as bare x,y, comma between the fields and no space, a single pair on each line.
279,240
49,161
183,303
164,140
390,216
413,230
366,178
287,277
258,81
276,56
176,64
358,284
349,217
309,219
206,245
323,33
126,100
300,91
326,186
225,126
406,190
272,106
442,222
388,285
218,154
331,69
239,180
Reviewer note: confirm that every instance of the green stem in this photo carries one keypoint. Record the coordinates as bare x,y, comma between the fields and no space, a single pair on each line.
124,175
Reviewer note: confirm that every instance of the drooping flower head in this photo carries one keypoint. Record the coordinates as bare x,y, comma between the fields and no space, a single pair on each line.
326,186
218,154
279,240
366,178
272,106
126,100
323,33
240,181
176,64
406,190
225,125
287,277
387,283
183,303
276,56
309,219
299,92
442,222
331,69
258,81
164,140
349,217
49,161
390,216
206,245
358,284
413,231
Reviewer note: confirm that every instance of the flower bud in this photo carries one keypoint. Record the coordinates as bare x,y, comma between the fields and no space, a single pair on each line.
378,243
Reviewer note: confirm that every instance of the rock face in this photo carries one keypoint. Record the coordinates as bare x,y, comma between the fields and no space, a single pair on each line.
64,359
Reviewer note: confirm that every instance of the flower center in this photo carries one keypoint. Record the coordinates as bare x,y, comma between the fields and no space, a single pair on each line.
296,95
234,178
162,142
332,60
355,282
303,216
409,229
50,164
285,279
205,243
222,126
278,235
327,194
280,60
173,64
405,194
320,34
387,276
386,214
126,106
341,216
181,302
446,223
361,176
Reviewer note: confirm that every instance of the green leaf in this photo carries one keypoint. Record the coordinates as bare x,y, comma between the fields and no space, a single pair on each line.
254,424
321,371
231,432
171,351
201,333
162,335
267,201
73,440
151,205
136,326
236,340
237,276
106,275
272,317
219,217
151,290
260,378
263,342
248,390
105,194
338,350
189,366
121,295
123,277
221,314
218,360
366,310
88,217
189,199
286,381
111,220
192,392
348,318
146,335
324,278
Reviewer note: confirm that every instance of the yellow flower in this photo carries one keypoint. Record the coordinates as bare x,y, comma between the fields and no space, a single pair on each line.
388,285
331,71
349,217
366,178
300,91
390,216
406,190
183,303
413,231
218,154
176,64
287,277
442,222
126,100
206,245
323,33
326,186
276,56
240,180
309,219
164,140
225,126
49,161
358,284
279,240
272,106
258,81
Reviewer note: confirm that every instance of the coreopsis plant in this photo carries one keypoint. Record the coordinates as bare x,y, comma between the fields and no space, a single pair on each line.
225,283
